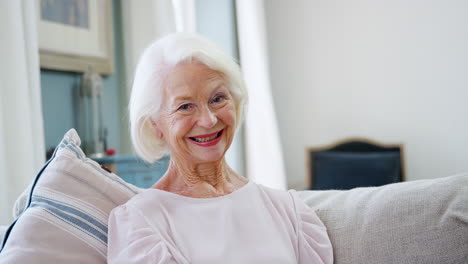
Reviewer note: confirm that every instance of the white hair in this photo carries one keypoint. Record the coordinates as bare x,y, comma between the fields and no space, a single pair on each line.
156,62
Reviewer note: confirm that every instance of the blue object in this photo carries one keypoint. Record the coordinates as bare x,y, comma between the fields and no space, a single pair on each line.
136,171
355,164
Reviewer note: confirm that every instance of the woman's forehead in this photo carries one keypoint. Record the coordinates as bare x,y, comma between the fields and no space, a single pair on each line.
188,78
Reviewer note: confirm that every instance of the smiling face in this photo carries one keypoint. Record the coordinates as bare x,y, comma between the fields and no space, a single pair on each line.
197,118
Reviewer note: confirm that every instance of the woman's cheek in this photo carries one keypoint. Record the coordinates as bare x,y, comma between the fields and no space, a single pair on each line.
231,115
182,126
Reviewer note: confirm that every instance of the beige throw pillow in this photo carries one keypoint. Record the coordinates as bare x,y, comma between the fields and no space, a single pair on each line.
64,219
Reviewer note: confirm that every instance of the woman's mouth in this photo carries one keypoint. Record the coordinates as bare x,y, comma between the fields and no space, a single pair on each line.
208,139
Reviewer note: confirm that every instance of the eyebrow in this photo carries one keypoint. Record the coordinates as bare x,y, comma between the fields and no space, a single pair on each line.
181,98
219,83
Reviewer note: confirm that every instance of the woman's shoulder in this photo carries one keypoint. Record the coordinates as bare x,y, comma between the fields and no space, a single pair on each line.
288,200
145,209
141,202
275,192
285,198
139,199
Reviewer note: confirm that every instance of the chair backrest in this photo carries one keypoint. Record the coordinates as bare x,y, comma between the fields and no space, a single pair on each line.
354,163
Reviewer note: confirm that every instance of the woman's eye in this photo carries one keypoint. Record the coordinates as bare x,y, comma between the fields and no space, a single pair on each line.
218,99
185,107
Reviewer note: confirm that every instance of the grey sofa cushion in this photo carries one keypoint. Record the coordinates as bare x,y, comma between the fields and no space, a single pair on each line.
422,221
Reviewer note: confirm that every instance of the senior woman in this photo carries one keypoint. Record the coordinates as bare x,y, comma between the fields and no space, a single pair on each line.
188,99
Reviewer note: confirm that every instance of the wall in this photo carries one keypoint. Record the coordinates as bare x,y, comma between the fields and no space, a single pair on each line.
59,97
59,103
393,71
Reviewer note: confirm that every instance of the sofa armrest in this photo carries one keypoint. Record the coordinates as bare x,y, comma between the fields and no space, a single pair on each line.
422,221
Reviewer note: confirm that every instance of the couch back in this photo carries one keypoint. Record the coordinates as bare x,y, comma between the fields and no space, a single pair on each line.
422,221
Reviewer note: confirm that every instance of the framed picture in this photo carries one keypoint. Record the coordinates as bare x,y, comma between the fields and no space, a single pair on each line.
76,35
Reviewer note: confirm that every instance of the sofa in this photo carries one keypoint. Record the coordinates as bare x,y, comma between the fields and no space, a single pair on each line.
62,216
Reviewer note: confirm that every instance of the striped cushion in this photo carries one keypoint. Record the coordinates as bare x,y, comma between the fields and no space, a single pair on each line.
65,217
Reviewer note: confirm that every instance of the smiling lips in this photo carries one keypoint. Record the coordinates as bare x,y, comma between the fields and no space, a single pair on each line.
208,139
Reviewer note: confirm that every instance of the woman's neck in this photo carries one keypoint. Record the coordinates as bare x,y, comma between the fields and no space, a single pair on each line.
200,180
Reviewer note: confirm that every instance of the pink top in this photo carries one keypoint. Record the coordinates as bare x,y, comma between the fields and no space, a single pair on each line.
254,224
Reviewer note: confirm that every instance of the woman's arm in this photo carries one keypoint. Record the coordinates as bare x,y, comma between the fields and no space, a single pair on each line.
314,245
132,240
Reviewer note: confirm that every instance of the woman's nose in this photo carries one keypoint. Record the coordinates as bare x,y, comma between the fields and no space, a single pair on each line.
207,118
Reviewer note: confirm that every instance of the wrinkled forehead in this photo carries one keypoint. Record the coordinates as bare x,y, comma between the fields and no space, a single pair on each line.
187,78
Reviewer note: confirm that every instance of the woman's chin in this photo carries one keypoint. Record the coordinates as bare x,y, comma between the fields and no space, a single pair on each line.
207,155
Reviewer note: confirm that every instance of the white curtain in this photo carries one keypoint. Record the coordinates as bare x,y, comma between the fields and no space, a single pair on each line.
143,21
263,147
184,14
147,20
22,147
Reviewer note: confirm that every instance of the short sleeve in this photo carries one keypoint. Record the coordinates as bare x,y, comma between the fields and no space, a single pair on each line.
314,245
132,240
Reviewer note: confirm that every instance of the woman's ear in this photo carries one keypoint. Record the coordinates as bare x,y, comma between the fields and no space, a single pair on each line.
158,131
